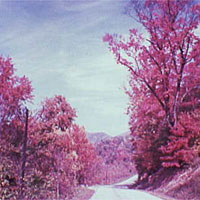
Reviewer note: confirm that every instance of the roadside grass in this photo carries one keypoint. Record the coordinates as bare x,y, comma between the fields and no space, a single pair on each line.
183,185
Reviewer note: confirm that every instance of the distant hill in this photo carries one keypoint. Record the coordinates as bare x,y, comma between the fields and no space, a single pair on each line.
116,154
97,137
125,134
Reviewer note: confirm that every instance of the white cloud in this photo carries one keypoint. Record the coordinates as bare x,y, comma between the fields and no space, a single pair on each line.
63,53
77,5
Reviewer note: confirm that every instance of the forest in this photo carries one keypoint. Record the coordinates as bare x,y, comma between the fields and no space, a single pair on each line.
46,154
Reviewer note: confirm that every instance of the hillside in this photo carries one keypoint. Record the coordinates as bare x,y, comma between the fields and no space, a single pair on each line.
116,154
184,184
97,137
174,184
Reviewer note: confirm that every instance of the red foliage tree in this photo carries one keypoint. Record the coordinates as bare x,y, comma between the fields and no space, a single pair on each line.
56,153
164,81
56,114
59,152
50,166
15,91
64,160
87,160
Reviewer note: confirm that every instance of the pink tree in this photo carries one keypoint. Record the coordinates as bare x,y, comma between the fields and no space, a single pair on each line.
87,160
15,91
56,114
56,153
59,152
164,81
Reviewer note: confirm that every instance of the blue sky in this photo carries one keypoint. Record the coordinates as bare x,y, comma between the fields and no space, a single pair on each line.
58,46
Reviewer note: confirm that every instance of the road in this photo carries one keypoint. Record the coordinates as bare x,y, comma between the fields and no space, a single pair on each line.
112,192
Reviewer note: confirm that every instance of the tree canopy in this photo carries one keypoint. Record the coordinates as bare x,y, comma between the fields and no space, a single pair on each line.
164,80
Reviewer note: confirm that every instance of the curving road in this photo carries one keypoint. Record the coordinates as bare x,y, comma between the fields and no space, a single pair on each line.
111,192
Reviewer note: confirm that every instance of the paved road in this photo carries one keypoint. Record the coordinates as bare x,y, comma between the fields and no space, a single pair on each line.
111,192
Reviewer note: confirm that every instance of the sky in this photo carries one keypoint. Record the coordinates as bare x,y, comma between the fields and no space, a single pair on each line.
58,45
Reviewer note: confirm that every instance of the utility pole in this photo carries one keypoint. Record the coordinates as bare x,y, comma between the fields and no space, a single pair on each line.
24,149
